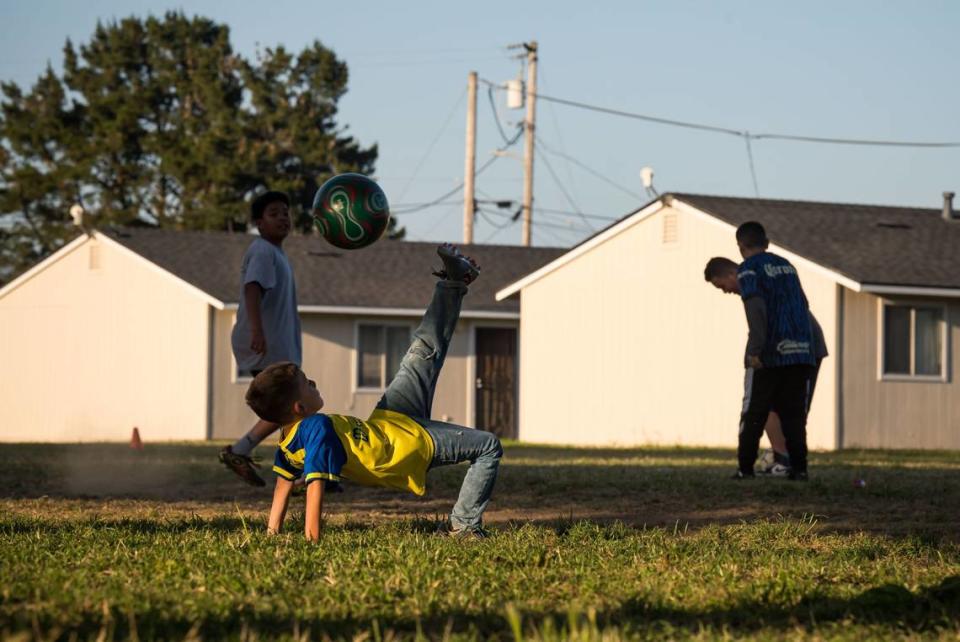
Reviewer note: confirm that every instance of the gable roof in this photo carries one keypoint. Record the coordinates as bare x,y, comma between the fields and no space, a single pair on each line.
388,275
869,248
870,244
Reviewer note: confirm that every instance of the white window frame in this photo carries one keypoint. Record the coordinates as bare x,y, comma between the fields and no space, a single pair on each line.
943,377
355,357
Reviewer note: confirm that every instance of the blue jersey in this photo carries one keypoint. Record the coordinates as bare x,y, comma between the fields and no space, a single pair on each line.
789,335
310,447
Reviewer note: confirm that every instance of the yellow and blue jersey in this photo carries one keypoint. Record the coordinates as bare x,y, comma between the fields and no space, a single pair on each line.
388,449
789,334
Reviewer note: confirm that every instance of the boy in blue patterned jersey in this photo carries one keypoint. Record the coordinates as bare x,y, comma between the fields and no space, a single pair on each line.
399,442
780,352
721,272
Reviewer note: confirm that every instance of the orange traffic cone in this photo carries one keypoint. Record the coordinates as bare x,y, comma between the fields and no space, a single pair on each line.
135,442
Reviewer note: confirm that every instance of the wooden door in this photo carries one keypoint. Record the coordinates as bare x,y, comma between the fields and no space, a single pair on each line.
496,382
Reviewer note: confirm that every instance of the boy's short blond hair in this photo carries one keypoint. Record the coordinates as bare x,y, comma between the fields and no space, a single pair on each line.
273,392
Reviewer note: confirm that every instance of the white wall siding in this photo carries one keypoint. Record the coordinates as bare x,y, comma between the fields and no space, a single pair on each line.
627,344
97,343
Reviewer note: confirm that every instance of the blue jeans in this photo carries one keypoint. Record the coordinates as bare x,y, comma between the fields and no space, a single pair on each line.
411,393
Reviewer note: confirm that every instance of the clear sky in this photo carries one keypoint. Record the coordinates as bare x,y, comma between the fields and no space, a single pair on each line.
852,69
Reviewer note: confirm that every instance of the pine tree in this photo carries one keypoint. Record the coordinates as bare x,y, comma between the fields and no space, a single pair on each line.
158,121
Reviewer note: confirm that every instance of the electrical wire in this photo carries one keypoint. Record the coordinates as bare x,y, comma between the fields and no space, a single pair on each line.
563,190
439,200
742,133
459,187
541,80
496,118
550,225
433,143
598,217
586,168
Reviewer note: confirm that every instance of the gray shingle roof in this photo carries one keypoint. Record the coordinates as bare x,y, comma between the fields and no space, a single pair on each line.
872,244
388,274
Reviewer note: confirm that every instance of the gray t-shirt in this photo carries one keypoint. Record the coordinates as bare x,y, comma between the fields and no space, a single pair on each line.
266,264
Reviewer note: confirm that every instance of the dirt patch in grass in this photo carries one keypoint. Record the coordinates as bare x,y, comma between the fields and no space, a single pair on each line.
901,494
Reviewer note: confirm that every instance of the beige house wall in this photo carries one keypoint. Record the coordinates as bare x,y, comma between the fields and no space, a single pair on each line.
329,358
100,341
878,413
627,344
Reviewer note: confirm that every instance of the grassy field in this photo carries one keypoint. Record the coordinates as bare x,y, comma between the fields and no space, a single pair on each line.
102,542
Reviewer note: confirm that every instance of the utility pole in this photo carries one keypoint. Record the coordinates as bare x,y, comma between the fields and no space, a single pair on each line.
469,203
529,128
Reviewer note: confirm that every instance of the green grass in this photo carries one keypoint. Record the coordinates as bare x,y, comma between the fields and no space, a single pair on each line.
102,542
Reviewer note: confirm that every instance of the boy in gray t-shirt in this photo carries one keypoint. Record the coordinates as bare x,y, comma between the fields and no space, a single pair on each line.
268,326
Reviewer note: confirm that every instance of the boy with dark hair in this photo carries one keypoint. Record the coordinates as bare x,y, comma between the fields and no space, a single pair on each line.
399,442
780,357
722,273
268,325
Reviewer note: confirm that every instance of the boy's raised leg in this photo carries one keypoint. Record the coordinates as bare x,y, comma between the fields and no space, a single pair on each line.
412,388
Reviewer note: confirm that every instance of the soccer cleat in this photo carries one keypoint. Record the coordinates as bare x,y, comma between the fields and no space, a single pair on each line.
446,530
797,476
241,465
469,534
742,475
456,266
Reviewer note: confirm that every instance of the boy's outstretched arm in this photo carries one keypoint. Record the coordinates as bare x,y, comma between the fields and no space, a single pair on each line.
314,510
281,497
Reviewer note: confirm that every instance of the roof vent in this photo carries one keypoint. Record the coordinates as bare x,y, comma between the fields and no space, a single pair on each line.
893,226
948,214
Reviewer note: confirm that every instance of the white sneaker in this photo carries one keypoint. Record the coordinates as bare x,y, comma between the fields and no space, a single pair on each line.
776,470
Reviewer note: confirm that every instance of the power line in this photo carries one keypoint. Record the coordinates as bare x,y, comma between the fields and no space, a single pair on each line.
563,147
743,133
550,225
588,169
568,213
426,154
563,190
753,171
459,187
496,118
439,200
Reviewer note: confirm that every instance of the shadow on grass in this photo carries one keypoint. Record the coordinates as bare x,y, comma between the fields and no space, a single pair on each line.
892,605
900,492
149,527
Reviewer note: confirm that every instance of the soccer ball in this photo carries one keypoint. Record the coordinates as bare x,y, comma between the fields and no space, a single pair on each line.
351,211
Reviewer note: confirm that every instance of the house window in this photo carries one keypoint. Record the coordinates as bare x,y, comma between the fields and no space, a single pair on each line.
380,348
914,340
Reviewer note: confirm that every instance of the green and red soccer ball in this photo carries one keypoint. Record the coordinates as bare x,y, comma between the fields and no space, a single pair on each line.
351,211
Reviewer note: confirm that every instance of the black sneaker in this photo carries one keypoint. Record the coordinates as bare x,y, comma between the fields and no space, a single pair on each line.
742,475
456,266
797,475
